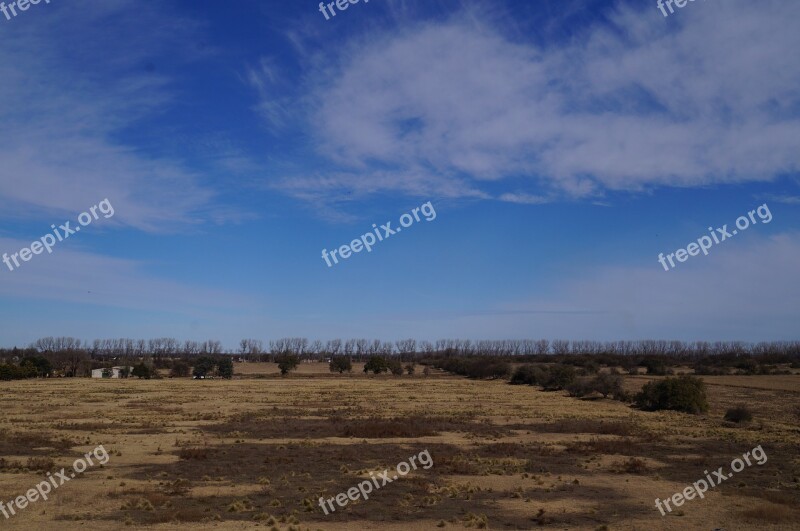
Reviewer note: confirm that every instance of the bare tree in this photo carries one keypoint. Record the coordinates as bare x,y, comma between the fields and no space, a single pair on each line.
349,347
560,346
333,346
315,349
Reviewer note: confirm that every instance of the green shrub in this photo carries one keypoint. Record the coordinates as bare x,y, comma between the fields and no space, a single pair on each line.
225,367
287,362
524,375
341,364
475,367
747,366
12,372
395,367
684,393
141,371
655,366
180,369
376,364
559,377
608,384
739,413
580,387
41,365
203,366
591,368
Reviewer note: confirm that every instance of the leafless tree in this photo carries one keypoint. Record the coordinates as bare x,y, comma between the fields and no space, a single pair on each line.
333,346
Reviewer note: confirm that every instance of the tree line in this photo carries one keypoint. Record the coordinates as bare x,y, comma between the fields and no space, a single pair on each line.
68,356
369,347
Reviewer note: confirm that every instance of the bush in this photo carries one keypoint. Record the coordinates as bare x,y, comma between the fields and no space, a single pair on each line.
739,413
684,393
410,368
287,362
40,364
12,372
395,367
376,364
560,376
580,387
340,364
525,375
634,466
180,369
141,371
203,366
591,368
655,366
747,366
608,384
479,367
225,367
489,369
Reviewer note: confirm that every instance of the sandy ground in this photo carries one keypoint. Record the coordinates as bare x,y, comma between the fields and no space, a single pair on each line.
260,451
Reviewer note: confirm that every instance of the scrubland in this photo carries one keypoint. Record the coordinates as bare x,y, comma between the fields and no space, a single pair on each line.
260,450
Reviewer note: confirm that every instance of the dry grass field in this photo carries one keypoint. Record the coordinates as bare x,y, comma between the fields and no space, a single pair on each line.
260,450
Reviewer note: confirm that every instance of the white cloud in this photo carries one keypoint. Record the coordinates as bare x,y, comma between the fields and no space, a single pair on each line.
71,86
708,96
523,199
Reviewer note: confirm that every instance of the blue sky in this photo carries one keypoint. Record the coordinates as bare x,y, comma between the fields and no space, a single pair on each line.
563,144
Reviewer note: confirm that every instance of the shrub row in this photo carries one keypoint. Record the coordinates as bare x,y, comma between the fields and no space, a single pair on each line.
557,377
13,372
480,367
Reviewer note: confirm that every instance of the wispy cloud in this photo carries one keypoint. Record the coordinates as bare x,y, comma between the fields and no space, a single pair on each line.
628,105
523,199
782,198
328,192
273,105
62,150
747,291
74,275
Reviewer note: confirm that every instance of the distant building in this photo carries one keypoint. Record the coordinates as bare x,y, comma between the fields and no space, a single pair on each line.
113,372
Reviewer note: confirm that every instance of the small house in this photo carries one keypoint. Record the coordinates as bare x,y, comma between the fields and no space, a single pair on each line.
113,372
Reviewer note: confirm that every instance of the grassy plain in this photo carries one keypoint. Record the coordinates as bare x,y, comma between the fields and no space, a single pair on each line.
260,450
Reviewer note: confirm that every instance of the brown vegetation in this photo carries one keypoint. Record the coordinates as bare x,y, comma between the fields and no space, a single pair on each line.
234,454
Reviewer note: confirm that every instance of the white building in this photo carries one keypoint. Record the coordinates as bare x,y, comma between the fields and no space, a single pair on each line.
113,372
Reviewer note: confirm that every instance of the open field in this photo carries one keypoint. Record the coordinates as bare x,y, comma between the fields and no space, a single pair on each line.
259,452
303,369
